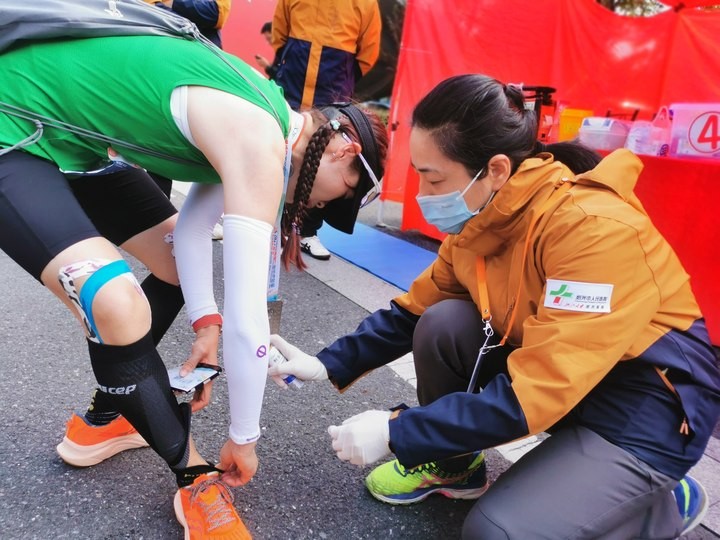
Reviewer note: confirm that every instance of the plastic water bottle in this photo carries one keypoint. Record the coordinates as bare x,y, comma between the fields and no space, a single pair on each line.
638,139
660,132
276,358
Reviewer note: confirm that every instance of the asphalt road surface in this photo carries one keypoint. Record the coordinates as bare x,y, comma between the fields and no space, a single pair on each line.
301,490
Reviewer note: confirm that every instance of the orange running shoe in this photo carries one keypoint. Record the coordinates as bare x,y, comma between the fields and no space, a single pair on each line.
206,510
85,444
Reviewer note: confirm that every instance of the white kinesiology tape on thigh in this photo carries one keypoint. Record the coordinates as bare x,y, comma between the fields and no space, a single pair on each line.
246,329
193,248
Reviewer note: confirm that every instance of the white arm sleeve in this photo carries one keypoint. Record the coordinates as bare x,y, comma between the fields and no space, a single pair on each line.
193,248
246,329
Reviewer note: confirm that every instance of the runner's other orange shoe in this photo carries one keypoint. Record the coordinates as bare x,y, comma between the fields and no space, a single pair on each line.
85,444
206,510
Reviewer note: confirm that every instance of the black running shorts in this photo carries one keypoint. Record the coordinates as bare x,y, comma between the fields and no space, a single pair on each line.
42,212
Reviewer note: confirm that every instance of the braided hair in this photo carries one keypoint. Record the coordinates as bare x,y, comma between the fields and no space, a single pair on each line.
294,216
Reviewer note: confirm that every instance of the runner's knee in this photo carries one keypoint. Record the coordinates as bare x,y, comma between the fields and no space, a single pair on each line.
82,283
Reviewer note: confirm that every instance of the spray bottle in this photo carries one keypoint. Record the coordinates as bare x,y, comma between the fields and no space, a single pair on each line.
276,358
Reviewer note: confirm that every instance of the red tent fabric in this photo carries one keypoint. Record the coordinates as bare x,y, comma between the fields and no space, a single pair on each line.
241,33
596,60
593,57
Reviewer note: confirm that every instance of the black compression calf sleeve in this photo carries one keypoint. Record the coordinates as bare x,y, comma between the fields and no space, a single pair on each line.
165,301
135,379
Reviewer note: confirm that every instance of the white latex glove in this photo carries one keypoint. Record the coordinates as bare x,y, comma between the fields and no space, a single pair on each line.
363,438
301,365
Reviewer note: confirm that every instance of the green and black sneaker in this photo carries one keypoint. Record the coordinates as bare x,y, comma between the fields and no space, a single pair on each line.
392,483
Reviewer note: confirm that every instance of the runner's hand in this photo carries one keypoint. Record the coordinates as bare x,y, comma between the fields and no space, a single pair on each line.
301,365
239,462
363,438
204,350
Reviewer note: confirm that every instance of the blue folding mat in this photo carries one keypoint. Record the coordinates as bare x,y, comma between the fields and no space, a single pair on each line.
396,261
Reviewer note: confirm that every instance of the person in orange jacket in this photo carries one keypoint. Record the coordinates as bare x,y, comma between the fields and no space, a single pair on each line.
324,47
554,305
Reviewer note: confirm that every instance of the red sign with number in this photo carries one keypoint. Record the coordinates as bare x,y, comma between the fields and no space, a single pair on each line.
704,133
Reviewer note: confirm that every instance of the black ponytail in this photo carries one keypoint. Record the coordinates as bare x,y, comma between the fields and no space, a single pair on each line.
577,157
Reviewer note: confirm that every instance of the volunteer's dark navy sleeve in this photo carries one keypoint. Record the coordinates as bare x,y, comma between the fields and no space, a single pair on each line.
458,423
382,337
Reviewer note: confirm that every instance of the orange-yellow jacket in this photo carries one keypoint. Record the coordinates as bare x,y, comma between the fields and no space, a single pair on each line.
325,47
596,233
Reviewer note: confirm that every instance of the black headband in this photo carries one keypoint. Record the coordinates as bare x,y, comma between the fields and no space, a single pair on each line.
342,213
364,130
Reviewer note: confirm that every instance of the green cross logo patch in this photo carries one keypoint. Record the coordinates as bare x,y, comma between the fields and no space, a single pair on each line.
578,296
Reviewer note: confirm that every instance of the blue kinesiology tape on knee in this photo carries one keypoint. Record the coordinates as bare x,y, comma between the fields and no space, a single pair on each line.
100,271
94,284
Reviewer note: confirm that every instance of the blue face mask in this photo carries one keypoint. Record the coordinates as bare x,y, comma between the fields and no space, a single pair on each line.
449,212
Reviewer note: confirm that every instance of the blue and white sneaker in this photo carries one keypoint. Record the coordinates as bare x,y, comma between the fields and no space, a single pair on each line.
692,501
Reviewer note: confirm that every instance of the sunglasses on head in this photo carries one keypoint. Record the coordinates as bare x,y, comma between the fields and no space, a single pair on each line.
374,191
